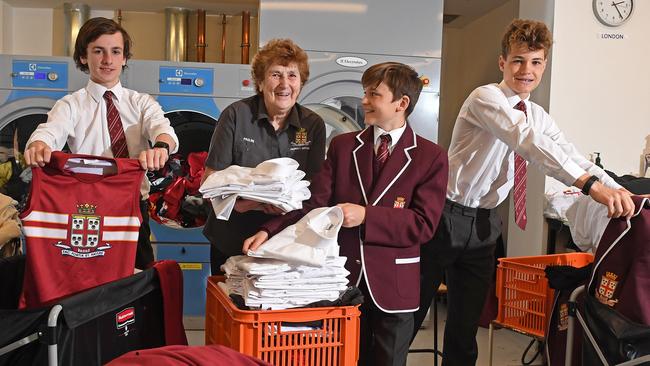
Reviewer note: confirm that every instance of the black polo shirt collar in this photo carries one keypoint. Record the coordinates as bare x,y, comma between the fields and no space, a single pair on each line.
292,119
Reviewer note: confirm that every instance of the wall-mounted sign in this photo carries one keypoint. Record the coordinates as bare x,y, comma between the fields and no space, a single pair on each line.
611,36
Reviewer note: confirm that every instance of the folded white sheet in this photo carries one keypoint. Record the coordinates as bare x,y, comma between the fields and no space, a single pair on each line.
309,241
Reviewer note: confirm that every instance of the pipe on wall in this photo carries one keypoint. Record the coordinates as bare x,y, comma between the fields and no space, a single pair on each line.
176,34
245,36
75,16
223,38
200,36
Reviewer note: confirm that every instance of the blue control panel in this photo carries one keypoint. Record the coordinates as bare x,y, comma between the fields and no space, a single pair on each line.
186,80
39,74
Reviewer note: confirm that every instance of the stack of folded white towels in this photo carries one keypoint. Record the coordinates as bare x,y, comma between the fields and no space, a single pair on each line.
298,266
275,181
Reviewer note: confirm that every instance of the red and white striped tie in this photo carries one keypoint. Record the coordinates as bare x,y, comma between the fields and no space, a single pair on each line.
520,182
115,129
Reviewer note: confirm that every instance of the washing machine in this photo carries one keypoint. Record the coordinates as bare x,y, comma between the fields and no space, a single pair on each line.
29,87
192,95
334,91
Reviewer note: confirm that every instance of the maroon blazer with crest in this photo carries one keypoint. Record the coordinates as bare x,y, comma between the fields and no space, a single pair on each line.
403,207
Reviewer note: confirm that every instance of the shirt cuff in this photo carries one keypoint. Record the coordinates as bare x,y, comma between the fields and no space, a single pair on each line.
609,182
570,173
42,137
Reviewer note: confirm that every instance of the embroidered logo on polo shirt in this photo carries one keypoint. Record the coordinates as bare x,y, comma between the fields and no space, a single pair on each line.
300,142
248,139
301,136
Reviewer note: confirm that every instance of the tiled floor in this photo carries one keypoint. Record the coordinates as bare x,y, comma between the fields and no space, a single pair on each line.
507,349
508,346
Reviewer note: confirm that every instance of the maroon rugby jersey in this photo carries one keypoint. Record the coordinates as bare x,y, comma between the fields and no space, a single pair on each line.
81,225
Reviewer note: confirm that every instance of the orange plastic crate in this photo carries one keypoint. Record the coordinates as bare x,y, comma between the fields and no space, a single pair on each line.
267,335
525,299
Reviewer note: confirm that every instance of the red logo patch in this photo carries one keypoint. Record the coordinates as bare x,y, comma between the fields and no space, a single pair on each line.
125,317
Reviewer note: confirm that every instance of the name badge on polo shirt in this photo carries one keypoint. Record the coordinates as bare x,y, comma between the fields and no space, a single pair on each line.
300,142
399,202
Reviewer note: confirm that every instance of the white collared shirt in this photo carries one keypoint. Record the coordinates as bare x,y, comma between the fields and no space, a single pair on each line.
80,120
487,132
395,135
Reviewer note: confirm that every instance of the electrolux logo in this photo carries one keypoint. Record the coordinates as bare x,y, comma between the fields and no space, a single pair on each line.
351,61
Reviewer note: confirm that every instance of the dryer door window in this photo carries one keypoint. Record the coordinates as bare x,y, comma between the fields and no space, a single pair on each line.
340,114
14,179
194,130
174,197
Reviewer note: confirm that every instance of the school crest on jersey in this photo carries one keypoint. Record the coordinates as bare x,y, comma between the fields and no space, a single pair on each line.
85,230
606,289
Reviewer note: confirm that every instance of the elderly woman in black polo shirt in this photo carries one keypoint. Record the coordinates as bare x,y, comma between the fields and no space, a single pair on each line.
267,125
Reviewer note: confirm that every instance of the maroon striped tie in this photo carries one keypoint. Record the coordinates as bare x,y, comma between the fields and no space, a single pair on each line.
382,151
115,129
520,182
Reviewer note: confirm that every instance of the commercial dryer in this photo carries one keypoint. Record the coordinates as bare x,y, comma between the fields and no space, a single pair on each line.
29,87
334,90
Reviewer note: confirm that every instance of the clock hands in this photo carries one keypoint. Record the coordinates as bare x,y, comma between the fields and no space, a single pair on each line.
615,5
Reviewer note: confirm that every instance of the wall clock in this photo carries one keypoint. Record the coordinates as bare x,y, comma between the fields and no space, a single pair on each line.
613,13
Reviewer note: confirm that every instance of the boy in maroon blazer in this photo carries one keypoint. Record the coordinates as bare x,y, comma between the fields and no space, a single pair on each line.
390,184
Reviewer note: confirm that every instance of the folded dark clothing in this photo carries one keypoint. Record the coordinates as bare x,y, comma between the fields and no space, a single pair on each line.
636,185
566,277
239,302
351,296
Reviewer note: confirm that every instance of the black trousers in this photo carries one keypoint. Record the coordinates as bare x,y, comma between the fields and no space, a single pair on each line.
144,252
463,250
384,337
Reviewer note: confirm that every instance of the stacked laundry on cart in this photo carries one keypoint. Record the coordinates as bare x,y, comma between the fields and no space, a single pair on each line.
298,266
276,181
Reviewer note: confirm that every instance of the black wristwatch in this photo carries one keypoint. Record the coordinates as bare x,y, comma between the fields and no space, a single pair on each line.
590,182
162,145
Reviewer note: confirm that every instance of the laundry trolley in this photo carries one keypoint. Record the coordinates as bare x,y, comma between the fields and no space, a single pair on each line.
97,325
609,337
614,313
